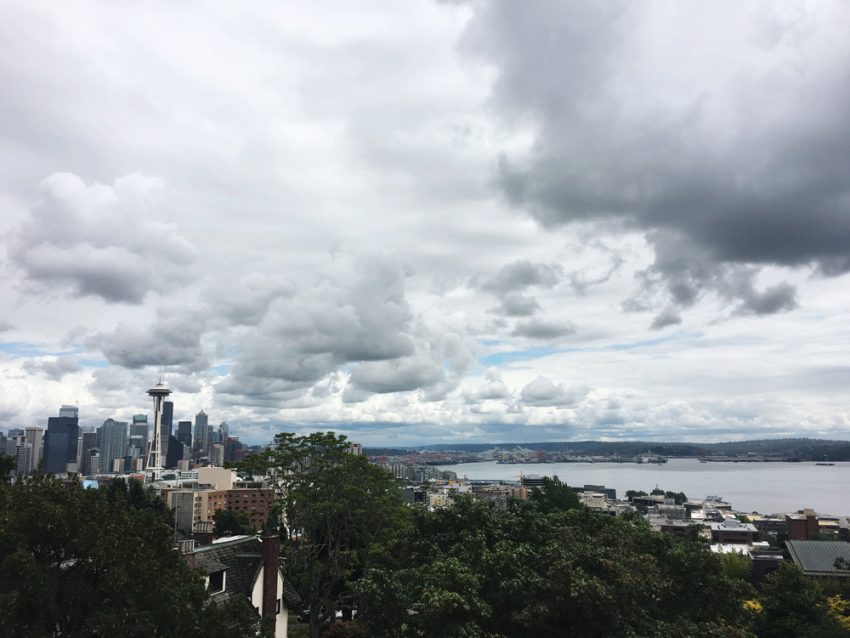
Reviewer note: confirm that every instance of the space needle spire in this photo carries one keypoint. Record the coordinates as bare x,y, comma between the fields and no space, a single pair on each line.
154,463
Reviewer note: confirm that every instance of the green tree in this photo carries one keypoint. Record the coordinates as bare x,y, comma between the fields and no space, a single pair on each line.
98,563
230,523
7,465
473,570
677,497
554,496
338,509
737,567
793,605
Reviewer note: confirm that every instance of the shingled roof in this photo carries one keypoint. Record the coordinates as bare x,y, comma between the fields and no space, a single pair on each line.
242,557
818,558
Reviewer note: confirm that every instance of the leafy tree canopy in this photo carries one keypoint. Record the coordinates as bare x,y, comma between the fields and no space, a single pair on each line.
98,563
473,570
337,511
230,523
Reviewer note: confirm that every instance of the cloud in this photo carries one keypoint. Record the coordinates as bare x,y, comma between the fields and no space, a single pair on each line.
245,302
521,274
54,369
172,341
668,317
543,330
355,311
723,148
491,388
98,240
436,368
512,280
6,326
514,304
542,391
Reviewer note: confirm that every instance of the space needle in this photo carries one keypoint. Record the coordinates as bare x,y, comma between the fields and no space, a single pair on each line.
154,464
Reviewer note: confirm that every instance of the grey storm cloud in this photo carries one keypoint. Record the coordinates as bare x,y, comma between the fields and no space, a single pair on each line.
55,368
356,312
521,274
170,342
683,274
667,317
738,148
511,282
542,329
98,240
246,302
435,368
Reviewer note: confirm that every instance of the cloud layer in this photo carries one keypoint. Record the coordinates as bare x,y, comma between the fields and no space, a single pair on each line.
432,221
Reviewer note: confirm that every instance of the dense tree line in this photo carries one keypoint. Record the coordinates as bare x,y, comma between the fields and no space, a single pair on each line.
100,563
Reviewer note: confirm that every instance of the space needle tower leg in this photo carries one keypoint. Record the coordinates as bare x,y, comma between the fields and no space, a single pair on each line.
154,465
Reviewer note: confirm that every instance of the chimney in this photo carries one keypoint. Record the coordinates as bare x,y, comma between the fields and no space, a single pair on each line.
187,551
812,524
271,557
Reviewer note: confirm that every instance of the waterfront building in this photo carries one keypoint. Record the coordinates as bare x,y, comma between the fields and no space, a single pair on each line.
733,531
802,525
824,561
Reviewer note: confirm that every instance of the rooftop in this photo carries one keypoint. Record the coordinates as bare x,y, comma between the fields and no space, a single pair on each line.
818,558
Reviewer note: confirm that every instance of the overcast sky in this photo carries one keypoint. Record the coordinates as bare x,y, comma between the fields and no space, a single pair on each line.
425,222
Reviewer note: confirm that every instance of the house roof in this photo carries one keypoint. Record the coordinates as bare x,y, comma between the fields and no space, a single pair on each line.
242,557
817,558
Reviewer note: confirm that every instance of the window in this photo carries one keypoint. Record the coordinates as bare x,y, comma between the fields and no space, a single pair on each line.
216,583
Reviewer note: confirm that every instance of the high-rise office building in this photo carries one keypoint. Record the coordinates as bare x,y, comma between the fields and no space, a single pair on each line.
231,445
23,464
139,428
201,432
217,455
94,461
70,411
112,441
60,441
14,438
166,426
175,453
34,437
89,442
167,417
184,432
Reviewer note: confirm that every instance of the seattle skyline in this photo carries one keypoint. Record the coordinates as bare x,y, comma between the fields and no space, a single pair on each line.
430,222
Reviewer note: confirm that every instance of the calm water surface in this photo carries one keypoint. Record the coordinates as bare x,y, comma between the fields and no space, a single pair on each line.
762,487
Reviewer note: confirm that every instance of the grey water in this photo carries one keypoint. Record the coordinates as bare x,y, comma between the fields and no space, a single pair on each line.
749,487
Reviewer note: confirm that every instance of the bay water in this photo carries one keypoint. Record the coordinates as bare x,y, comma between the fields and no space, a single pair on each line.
749,487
